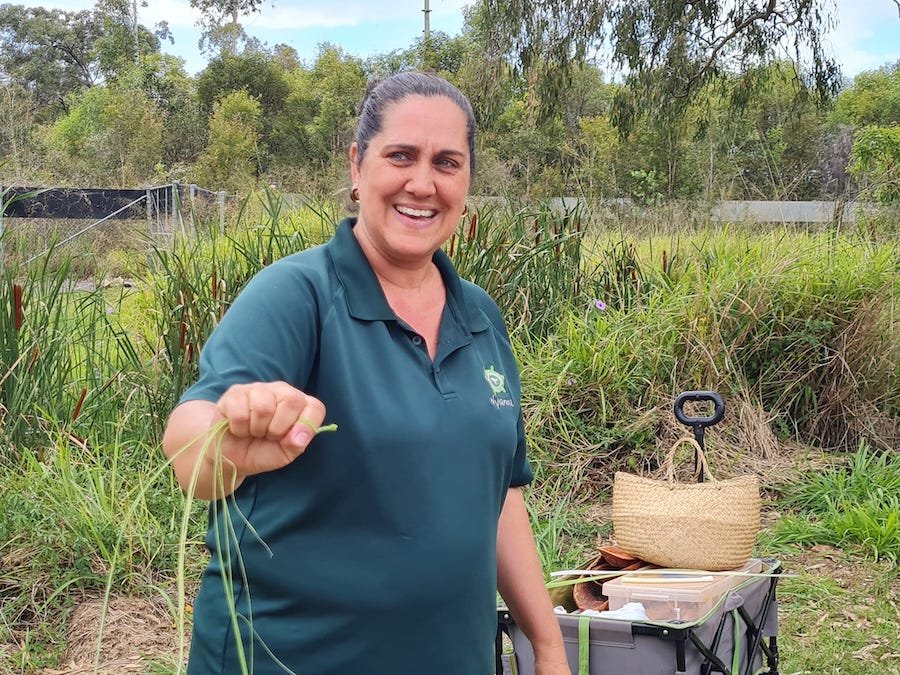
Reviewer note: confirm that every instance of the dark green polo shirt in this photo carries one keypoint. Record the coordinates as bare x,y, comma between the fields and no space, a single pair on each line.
379,553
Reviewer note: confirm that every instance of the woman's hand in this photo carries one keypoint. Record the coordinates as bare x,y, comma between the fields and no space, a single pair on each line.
270,424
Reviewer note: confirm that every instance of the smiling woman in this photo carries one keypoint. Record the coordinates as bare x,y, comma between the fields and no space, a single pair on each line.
412,186
411,508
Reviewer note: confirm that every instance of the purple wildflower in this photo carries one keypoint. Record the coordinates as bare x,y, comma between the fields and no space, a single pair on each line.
599,305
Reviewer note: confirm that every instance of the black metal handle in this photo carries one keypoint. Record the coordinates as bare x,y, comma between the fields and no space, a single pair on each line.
699,424
685,396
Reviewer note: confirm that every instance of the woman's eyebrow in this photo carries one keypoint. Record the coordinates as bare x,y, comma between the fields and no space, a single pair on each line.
393,147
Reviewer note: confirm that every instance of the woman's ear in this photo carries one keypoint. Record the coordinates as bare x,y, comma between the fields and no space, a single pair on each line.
354,162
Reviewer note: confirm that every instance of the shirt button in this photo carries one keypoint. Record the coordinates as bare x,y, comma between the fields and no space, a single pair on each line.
416,340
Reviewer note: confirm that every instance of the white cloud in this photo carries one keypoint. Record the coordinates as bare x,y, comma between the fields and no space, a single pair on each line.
866,34
281,14
287,14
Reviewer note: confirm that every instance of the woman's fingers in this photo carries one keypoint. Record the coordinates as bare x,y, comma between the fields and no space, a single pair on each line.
234,405
271,410
304,425
291,403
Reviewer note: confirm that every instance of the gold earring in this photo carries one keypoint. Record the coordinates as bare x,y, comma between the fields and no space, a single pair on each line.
465,211
354,194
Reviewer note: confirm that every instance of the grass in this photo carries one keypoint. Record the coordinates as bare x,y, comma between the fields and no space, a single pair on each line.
839,615
853,503
799,328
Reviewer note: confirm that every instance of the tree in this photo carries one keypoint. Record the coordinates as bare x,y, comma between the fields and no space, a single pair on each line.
874,98
112,136
668,50
48,52
771,146
54,53
221,31
18,116
313,131
162,78
123,39
230,160
875,162
255,72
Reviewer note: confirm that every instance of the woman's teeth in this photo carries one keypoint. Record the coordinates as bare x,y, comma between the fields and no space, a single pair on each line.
416,213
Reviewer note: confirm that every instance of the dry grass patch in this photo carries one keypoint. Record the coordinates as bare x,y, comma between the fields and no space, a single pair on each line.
135,631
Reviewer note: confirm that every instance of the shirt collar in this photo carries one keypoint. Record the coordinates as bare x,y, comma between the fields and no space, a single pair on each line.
365,299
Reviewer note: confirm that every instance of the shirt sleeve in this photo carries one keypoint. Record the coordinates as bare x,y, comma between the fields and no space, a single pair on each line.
521,470
269,334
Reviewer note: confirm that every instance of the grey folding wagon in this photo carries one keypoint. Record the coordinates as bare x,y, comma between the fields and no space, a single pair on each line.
737,636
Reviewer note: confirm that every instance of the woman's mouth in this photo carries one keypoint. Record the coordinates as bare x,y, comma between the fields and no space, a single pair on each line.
415,213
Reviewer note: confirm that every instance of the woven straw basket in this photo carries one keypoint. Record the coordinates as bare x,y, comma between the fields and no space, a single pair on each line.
707,526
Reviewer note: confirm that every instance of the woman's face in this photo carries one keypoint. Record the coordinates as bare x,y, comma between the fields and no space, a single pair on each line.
413,180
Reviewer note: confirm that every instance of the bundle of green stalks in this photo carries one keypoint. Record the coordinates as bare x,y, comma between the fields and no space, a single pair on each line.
798,331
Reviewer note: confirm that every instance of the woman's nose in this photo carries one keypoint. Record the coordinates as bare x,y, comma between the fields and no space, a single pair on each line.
421,180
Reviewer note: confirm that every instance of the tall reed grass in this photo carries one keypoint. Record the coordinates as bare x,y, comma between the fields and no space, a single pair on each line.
608,327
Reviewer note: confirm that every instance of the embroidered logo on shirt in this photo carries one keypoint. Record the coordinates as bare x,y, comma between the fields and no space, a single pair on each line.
495,380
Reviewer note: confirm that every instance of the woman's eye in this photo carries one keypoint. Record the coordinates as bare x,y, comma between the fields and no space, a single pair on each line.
398,156
445,163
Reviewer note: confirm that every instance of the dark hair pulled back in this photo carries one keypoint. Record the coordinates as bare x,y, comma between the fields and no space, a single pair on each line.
382,93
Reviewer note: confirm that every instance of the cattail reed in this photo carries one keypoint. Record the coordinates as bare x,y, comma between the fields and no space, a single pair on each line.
77,411
17,306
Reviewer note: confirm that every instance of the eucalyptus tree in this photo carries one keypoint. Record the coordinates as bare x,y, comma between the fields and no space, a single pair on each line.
222,31
48,52
668,51
54,53
123,40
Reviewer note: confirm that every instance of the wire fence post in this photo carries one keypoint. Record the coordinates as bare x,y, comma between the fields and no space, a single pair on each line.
2,209
220,199
192,195
150,233
176,205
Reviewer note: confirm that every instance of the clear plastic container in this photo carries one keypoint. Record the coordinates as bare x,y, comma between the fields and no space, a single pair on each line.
673,595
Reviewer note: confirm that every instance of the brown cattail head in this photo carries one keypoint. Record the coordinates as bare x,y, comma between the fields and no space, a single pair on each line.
77,411
473,227
17,306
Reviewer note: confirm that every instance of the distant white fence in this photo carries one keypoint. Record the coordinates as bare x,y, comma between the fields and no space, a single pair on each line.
732,211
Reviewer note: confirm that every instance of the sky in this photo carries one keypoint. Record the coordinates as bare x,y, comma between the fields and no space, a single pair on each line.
866,34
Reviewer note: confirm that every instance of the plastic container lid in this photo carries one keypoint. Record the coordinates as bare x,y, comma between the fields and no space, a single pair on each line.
671,594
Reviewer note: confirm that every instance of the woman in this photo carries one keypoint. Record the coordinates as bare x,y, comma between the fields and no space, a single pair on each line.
376,549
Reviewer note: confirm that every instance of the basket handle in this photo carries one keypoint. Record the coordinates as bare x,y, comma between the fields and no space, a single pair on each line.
702,466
